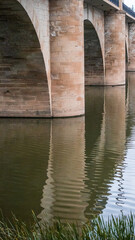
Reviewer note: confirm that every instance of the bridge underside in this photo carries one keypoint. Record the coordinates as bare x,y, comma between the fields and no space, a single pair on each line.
23,80
94,68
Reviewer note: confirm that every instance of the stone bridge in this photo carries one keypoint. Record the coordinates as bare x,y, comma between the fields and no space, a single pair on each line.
50,49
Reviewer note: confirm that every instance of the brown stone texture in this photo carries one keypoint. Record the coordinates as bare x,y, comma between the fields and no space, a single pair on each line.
114,48
127,45
131,63
94,45
94,68
38,12
67,57
121,4
42,54
23,79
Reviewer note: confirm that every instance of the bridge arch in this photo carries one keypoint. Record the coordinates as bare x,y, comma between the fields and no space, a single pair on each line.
38,12
126,55
126,45
94,46
24,59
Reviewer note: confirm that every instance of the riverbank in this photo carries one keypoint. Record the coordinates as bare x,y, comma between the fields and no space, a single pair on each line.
115,228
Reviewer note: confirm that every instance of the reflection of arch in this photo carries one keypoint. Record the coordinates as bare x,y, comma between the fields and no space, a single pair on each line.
106,153
39,14
94,61
22,61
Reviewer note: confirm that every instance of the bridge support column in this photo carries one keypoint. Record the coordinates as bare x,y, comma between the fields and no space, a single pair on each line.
131,64
121,4
67,57
115,48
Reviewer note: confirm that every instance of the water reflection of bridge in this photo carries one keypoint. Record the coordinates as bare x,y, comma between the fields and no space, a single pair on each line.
82,166
130,103
75,159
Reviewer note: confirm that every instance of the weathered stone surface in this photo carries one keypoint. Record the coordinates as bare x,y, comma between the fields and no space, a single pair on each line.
23,80
131,63
67,57
94,68
94,45
127,45
115,48
38,12
42,54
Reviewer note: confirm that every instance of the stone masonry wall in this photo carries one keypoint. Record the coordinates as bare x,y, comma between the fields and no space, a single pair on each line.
127,44
94,45
96,18
38,12
94,68
67,57
131,64
42,55
23,79
115,48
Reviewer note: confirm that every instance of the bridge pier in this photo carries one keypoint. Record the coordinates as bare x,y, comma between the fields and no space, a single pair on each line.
67,57
131,63
114,48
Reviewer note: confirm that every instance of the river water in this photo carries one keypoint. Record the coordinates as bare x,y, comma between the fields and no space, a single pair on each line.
72,168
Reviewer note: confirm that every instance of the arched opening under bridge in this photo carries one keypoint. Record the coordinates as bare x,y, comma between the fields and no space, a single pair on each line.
94,66
126,56
23,80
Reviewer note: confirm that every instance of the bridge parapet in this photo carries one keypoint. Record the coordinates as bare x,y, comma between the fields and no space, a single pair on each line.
123,6
128,10
116,2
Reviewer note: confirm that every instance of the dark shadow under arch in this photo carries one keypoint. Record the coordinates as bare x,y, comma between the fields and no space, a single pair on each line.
126,57
23,80
94,67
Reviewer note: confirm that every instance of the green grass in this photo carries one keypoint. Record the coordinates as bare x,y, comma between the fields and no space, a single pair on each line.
115,228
